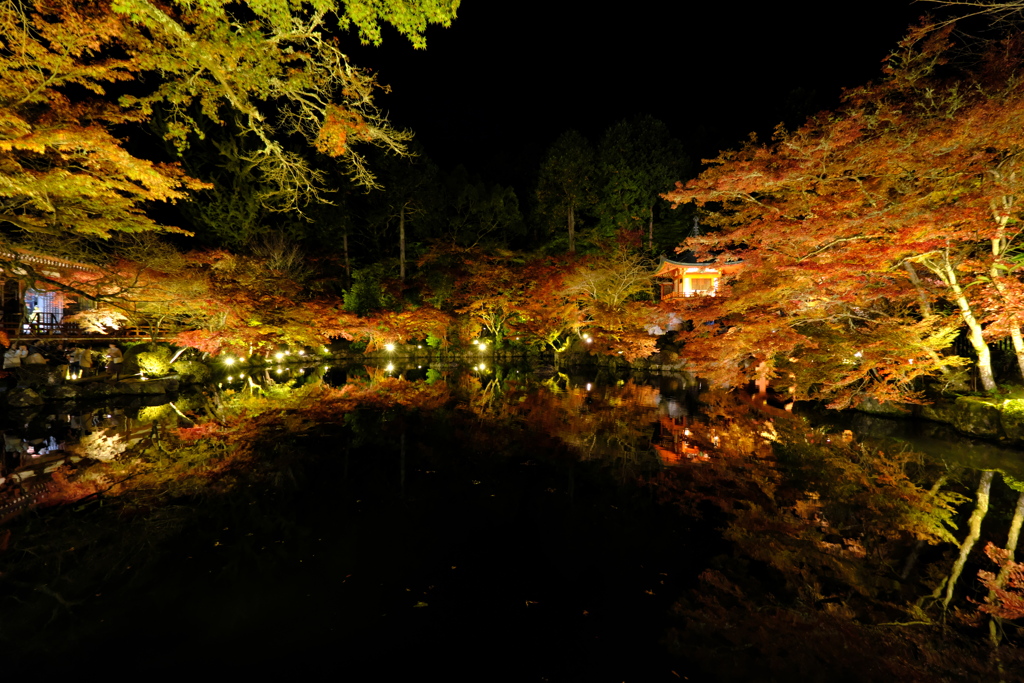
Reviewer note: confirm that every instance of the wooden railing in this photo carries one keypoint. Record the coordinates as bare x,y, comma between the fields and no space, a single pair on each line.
44,328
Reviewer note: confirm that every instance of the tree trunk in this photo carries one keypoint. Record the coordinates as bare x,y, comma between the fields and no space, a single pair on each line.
912,559
401,243
1002,208
348,264
1011,547
997,272
948,275
926,311
650,228
572,230
974,532
922,296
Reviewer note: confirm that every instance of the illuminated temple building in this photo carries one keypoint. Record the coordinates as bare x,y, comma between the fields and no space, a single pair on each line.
685,279
27,310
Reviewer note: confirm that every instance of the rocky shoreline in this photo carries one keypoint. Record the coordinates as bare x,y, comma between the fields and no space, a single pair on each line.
992,419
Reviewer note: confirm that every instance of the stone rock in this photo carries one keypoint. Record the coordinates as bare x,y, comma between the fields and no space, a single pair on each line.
66,391
130,358
191,372
976,417
874,407
1012,419
868,426
23,396
37,376
943,411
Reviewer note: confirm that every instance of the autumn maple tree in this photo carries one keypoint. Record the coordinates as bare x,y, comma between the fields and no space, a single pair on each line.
872,234
75,76
64,172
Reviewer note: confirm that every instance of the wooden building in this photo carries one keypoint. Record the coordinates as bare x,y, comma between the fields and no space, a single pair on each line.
679,279
28,311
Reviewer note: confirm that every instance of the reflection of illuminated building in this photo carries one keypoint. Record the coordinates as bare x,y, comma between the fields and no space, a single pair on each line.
682,439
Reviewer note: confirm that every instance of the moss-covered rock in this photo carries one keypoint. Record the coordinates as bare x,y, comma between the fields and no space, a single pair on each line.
21,397
156,362
1012,418
977,417
873,407
167,385
192,372
940,411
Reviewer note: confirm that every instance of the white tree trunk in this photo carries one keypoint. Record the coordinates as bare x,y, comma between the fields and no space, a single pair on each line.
1011,547
945,270
1001,214
974,532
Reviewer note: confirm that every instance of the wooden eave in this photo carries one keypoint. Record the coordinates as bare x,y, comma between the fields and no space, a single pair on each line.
44,260
670,268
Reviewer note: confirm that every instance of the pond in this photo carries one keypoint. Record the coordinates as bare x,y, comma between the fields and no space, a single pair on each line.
493,523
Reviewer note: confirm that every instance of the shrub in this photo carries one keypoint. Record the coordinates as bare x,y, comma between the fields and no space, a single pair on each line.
192,372
156,362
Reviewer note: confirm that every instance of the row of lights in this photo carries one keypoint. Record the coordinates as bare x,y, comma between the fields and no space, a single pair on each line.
231,360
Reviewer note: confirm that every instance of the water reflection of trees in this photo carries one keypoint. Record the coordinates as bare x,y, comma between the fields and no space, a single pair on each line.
840,555
610,424
831,552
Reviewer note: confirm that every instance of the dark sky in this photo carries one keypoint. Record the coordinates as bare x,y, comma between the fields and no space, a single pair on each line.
495,89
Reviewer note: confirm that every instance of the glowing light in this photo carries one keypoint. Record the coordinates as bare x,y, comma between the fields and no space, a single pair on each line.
229,361
278,371
390,368
278,356
588,386
302,352
230,378
389,347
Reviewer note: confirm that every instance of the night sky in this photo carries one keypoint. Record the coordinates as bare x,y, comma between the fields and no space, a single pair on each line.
495,89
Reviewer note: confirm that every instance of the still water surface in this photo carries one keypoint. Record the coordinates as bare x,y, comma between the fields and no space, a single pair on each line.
525,527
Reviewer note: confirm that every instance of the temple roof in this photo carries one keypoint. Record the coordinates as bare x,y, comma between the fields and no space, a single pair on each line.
666,266
44,260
